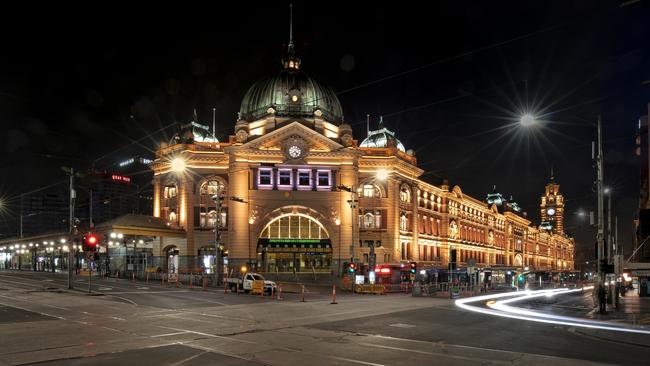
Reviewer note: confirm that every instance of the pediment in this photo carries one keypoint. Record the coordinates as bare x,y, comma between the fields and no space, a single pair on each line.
276,139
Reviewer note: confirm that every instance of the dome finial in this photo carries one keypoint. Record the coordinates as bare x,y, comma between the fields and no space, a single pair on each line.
291,62
552,175
290,27
368,125
381,122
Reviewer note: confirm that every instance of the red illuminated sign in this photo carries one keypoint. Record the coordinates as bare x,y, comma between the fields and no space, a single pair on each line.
121,178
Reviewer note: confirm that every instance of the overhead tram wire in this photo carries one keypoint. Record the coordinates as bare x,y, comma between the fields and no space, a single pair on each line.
468,53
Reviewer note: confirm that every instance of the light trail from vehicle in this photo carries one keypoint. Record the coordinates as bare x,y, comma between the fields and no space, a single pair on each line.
499,308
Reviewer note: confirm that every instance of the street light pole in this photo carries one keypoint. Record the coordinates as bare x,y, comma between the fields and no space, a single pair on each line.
73,196
217,238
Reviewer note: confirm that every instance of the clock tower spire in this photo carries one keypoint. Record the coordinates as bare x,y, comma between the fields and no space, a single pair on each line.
552,207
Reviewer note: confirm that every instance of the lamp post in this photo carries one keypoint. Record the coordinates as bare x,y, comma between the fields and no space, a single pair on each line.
217,238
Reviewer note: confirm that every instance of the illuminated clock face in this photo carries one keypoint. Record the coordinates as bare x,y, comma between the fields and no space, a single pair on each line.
550,211
294,151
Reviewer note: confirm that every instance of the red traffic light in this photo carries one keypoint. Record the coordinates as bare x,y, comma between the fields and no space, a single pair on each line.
91,241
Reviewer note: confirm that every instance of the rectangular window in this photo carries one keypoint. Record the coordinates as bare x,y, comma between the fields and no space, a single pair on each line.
284,177
323,178
265,177
304,178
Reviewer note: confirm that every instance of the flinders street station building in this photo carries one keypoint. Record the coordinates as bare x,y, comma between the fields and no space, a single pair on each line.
293,190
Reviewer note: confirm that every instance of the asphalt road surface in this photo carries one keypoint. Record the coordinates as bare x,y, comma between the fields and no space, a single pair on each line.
136,323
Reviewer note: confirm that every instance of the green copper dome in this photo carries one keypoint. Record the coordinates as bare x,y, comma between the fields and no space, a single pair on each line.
290,93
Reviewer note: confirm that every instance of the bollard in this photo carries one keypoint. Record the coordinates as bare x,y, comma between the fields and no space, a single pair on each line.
302,293
280,292
333,295
225,287
117,276
205,283
190,280
178,279
146,278
133,277
272,292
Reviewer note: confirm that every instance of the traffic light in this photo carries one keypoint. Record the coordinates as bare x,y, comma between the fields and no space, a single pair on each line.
90,242
413,268
352,267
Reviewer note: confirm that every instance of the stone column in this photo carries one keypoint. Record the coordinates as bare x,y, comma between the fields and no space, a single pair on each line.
157,198
416,223
349,226
238,244
188,254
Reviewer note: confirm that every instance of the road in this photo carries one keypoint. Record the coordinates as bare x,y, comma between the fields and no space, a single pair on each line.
41,322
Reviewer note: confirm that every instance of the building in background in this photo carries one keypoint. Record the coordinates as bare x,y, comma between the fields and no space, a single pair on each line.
642,247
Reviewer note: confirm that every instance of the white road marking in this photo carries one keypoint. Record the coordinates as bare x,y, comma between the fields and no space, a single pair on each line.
167,334
189,358
210,335
444,354
355,361
401,325
105,288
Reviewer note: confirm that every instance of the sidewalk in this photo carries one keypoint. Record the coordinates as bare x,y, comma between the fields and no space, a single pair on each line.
631,309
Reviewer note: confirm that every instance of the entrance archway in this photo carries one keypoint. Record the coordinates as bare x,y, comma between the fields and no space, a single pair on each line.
294,242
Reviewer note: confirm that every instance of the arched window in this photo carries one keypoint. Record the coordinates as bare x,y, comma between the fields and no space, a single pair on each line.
294,226
211,187
403,222
173,218
369,220
207,205
370,191
170,192
405,194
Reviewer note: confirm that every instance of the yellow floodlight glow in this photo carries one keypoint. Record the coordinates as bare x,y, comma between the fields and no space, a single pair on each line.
178,165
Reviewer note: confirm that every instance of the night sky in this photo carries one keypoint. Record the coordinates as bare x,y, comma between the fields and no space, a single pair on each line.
451,80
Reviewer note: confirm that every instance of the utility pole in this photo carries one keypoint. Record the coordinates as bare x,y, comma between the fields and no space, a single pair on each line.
217,238
601,223
610,237
73,196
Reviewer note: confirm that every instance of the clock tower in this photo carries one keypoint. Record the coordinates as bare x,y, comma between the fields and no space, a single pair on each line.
552,207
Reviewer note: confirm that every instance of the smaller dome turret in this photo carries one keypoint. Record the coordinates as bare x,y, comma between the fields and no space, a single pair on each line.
382,137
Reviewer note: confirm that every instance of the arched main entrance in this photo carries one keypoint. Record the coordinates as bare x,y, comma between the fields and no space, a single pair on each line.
294,242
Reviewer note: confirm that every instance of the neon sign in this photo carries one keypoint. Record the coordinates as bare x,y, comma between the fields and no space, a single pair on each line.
121,178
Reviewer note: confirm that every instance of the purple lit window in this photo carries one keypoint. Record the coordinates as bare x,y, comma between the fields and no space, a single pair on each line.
323,178
265,176
284,177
